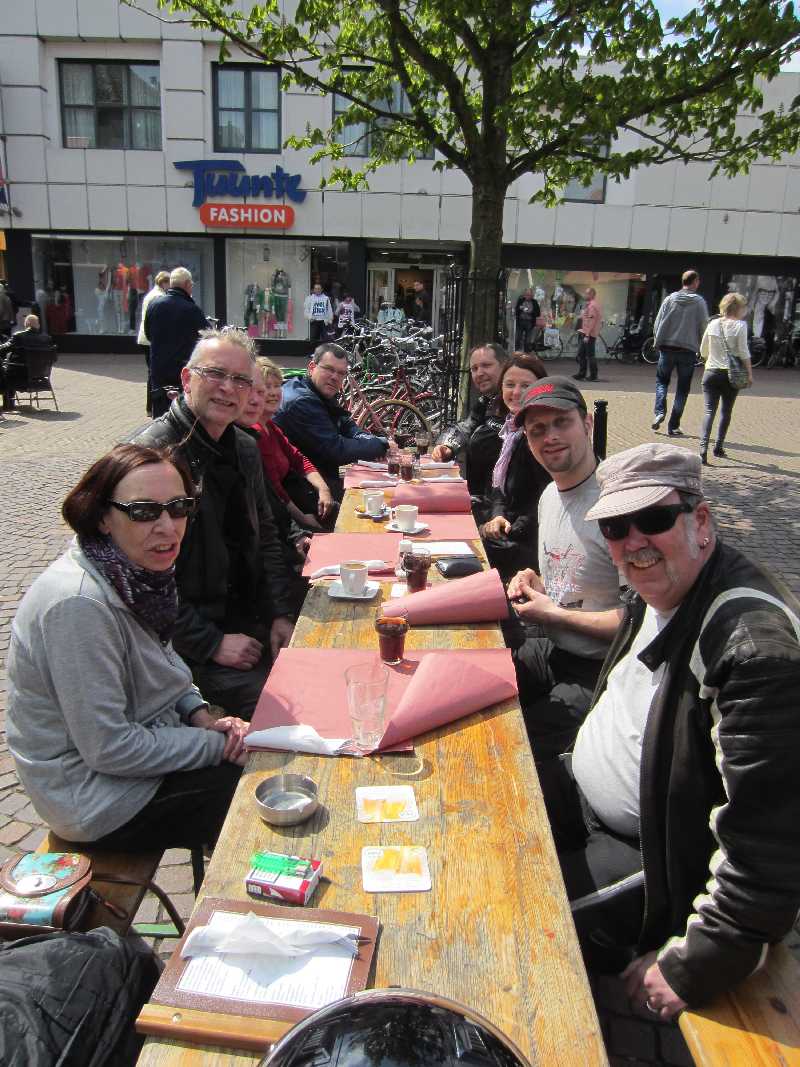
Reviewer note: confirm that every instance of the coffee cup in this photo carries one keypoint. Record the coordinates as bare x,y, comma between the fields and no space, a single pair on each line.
405,517
373,503
353,576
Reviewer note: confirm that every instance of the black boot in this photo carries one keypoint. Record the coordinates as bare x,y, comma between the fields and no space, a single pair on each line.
719,451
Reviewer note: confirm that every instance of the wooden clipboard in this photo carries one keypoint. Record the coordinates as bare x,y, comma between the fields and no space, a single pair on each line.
210,1020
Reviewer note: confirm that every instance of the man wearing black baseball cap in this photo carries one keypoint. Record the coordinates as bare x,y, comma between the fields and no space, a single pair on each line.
571,609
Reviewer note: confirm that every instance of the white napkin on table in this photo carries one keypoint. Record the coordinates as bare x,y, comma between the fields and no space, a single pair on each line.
373,483
431,464
297,738
371,464
376,566
250,935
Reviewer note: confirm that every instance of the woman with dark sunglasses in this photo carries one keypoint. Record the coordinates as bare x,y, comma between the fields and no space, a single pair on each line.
112,742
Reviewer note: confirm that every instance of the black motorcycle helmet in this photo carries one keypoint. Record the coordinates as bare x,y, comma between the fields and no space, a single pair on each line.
394,1028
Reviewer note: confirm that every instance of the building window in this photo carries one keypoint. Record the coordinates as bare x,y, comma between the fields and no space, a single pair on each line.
594,192
247,114
360,137
110,105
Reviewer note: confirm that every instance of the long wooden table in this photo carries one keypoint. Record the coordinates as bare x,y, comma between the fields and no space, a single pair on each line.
495,932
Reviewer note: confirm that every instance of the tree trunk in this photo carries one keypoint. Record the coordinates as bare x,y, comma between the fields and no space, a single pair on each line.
480,295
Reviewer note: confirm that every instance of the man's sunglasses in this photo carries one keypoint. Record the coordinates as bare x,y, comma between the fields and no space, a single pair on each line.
180,507
654,520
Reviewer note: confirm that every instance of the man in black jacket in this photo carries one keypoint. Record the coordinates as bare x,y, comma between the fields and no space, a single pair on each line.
682,786
232,575
172,324
476,438
14,356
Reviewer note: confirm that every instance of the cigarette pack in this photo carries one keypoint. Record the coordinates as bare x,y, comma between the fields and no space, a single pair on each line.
273,876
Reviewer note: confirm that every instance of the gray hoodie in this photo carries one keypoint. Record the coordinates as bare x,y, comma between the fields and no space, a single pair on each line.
98,708
681,321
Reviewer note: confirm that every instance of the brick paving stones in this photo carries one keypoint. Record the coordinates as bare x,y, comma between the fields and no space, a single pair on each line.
42,454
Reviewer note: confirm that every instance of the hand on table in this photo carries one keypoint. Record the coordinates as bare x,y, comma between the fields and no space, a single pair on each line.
325,504
238,651
280,634
235,731
647,987
525,577
499,526
441,454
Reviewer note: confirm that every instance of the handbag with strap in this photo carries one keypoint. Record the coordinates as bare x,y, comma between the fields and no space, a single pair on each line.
737,372
41,892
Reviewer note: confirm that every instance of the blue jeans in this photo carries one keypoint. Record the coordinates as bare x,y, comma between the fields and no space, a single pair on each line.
683,363
716,388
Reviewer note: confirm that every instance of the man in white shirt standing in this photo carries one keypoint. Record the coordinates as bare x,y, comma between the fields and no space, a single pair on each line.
318,311
682,786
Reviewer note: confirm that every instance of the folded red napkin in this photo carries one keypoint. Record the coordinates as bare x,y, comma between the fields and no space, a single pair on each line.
430,497
338,547
476,598
428,689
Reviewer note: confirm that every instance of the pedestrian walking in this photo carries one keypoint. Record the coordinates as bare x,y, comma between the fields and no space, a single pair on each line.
160,286
591,320
726,356
679,327
526,312
172,325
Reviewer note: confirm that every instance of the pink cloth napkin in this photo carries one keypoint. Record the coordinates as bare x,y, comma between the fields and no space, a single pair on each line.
327,549
428,689
431,498
476,598
444,527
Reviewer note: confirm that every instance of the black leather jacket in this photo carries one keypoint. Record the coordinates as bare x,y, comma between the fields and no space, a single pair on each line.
205,570
476,437
719,797
172,324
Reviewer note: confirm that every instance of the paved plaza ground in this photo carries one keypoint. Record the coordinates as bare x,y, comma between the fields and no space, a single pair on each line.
42,453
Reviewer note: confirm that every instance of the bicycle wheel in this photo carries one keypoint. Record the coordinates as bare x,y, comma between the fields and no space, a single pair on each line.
570,346
649,353
399,416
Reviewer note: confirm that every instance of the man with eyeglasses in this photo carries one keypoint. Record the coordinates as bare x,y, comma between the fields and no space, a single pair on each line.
682,786
570,611
233,579
318,425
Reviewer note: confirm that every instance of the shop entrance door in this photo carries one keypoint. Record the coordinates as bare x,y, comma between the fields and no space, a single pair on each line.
394,282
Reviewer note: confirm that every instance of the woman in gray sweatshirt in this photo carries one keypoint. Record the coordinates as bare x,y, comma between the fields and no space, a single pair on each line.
112,742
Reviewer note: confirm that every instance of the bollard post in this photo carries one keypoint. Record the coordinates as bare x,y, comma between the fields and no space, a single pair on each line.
600,436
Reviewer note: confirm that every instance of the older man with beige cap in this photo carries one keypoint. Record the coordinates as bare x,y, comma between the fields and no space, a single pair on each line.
682,785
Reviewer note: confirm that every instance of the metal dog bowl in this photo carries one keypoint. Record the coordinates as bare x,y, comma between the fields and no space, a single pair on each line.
287,799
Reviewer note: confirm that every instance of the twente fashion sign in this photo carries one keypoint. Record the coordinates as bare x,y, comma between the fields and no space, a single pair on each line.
227,177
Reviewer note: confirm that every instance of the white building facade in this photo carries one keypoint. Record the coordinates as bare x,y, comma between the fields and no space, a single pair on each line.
126,149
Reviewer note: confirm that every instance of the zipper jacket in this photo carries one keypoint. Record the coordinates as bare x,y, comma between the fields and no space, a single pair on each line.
719,773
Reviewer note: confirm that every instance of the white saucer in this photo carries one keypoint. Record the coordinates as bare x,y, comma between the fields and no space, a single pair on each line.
336,591
420,527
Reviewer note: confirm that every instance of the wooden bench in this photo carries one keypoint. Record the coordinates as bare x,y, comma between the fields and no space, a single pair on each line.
757,1024
138,868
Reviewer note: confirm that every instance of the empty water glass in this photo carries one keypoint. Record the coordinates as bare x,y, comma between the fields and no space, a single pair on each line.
366,699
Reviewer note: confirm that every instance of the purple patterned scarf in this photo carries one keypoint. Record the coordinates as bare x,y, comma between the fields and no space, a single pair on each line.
152,596
509,435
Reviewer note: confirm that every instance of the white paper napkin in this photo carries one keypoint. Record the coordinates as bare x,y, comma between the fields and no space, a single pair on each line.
375,484
332,570
371,464
250,935
430,464
297,738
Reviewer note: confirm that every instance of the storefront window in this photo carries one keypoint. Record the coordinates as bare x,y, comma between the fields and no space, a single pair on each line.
268,282
95,285
561,295
770,305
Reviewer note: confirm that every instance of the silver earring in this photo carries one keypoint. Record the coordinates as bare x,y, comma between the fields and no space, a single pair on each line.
706,541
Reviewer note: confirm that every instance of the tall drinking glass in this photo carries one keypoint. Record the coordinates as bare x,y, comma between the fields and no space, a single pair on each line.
366,699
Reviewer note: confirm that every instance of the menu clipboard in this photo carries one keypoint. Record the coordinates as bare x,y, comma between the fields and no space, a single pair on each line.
226,1002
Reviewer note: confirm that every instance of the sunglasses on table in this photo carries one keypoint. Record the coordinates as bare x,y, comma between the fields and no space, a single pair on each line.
180,507
653,520
217,376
